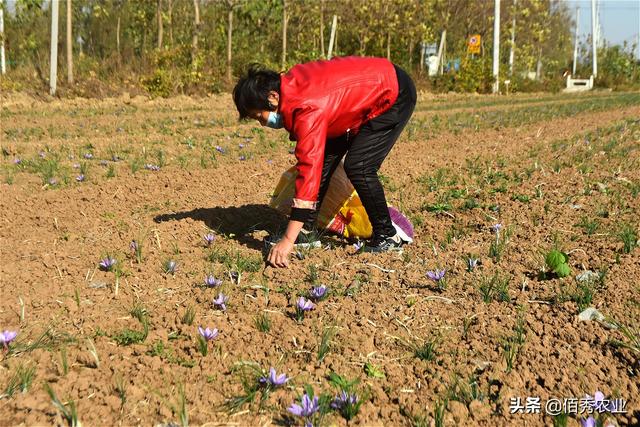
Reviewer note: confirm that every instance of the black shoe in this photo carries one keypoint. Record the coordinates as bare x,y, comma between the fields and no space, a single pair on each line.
305,240
385,244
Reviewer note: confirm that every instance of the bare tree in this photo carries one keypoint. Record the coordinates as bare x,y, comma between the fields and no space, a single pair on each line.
230,4
322,28
171,22
69,45
285,18
196,29
160,29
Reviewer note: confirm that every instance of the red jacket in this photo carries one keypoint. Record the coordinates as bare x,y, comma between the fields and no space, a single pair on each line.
326,99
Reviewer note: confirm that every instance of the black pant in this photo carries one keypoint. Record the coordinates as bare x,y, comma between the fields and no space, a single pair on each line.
365,153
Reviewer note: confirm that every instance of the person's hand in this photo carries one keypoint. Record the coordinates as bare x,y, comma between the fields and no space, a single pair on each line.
279,253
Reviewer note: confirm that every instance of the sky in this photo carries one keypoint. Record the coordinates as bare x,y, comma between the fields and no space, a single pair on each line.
619,19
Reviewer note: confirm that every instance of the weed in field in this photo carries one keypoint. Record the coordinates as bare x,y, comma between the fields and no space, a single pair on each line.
129,336
325,343
64,360
170,267
495,288
251,377
631,334
189,316
589,226
373,371
467,323
427,351
439,409
49,340
68,411
20,381
463,391
629,236
121,389
498,245
263,322
556,261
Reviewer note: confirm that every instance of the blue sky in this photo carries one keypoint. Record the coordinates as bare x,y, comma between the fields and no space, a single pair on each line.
620,19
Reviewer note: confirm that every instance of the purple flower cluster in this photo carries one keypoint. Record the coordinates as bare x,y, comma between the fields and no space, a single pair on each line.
6,337
219,149
211,282
152,167
274,379
344,399
88,156
436,275
107,263
209,238
80,178
318,293
221,301
307,407
208,334
303,304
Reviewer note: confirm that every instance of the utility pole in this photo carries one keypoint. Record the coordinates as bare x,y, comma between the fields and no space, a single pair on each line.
594,41
513,38
575,47
496,47
53,70
3,66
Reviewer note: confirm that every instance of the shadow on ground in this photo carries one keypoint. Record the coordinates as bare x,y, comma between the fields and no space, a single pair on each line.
239,221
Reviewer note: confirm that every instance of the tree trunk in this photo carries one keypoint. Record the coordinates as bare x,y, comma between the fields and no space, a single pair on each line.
389,45
69,45
118,40
53,58
229,40
284,34
160,29
322,28
171,22
196,29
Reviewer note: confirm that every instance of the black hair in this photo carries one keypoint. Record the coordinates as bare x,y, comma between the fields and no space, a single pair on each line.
252,90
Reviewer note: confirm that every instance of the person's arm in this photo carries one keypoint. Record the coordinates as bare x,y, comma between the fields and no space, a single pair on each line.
279,254
311,132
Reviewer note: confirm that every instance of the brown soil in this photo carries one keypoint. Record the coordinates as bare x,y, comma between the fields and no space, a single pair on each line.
52,238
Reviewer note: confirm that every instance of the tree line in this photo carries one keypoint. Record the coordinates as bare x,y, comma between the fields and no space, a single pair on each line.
191,46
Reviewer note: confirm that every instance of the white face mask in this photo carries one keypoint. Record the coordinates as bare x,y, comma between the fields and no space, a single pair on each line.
274,120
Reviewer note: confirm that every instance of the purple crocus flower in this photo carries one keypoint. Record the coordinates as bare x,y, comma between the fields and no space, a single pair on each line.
241,145
80,178
472,263
306,408
208,334
52,181
76,165
17,161
42,154
219,149
344,399
6,337
103,163
133,245
88,156
211,281
358,245
496,228
221,301
317,293
436,275
597,402
107,263
588,422
152,167
209,238
303,304
243,157
274,379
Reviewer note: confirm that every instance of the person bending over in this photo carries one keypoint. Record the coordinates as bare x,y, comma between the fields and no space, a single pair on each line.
349,106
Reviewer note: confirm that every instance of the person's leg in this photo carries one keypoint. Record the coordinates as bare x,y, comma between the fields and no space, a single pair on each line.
334,152
368,150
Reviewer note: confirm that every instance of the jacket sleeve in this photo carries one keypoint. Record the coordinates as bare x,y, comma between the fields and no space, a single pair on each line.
310,129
